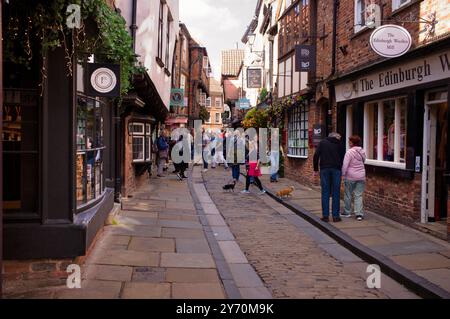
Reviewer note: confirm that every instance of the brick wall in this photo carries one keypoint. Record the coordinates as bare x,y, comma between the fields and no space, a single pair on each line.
396,198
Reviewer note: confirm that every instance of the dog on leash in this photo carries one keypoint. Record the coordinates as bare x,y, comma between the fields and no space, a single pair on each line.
229,187
285,192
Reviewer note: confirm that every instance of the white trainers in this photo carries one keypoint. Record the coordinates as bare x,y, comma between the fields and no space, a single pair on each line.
359,218
262,192
205,170
245,192
346,215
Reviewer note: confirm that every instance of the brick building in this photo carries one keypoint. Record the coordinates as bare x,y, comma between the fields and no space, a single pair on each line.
200,72
398,103
231,80
215,107
178,116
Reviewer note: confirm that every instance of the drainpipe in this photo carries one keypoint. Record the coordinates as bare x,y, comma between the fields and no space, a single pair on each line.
333,66
133,26
1,152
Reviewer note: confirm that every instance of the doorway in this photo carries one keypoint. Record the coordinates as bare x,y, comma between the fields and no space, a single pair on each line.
434,186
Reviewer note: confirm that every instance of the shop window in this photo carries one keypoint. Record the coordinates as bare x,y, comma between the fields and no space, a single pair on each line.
90,183
385,127
20,141
218,101
298,132
217,117
397,4
360,14
141,140
160,30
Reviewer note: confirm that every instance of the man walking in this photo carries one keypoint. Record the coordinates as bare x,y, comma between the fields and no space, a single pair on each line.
330,154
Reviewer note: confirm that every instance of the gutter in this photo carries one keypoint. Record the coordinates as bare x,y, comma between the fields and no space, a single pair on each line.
133,26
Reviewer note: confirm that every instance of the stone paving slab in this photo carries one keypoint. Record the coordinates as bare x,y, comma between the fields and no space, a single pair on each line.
149,274
180,224
190,275
245,276
125,258
415,247
232,252
255,293
152,244
182,233
93,289
422,261
107,272
186,260
143,221
197,291
145,290
134,230
215,220
193,246
131,213
222,233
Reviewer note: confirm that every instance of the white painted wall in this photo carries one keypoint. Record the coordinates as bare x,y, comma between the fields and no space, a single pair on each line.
147,39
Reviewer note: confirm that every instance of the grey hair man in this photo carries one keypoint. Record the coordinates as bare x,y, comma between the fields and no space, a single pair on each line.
329,156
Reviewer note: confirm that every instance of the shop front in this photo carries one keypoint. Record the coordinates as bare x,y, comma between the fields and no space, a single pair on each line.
400,109
58,162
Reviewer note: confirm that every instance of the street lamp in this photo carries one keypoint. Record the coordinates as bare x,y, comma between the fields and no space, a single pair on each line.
251,40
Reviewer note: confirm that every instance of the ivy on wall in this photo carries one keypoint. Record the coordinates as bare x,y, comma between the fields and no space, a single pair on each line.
44,22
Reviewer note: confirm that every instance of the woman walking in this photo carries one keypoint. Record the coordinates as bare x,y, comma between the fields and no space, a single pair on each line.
354,174
253,171
163,152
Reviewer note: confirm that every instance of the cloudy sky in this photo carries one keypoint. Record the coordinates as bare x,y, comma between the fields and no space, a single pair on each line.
217,24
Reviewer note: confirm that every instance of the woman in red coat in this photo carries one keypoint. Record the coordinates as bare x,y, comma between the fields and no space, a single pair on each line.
253,171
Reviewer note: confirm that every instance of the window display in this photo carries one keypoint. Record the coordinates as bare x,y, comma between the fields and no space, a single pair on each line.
298,131
90,147
20,140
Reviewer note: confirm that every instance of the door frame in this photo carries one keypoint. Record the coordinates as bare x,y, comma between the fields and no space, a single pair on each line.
429,155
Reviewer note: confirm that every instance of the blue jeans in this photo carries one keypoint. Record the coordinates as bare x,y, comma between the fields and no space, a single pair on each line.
330,180
274,177
235,171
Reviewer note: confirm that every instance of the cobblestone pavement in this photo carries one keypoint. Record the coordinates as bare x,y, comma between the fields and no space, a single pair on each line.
426,255
293,259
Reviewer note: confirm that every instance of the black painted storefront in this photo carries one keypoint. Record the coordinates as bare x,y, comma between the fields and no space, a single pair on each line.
51,225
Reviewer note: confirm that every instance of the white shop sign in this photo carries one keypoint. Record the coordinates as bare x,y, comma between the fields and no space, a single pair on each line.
419,71
390,41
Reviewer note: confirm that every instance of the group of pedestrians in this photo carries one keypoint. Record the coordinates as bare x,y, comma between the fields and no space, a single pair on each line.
336,164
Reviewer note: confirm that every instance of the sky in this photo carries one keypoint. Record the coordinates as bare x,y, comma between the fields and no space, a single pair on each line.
217,24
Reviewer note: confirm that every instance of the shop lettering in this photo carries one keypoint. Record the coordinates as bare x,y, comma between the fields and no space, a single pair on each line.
400,76
445,62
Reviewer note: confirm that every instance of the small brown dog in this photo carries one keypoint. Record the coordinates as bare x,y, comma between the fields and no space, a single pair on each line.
286,192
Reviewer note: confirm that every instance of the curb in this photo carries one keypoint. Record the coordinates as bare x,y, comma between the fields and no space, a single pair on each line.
409,279
230,287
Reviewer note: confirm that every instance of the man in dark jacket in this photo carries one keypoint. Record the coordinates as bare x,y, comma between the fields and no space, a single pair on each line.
330,155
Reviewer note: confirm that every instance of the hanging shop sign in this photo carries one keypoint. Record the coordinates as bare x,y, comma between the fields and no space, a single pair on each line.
305,58
423,70
244,104
390,41
177,97
103,79
318,134
254,78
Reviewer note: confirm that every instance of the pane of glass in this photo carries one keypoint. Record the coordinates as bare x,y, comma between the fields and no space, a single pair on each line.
389,130
372,148
90,174
80,179
138,148
147,148
403,128
20,151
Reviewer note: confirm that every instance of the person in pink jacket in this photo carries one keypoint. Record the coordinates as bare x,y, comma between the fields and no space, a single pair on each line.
354,174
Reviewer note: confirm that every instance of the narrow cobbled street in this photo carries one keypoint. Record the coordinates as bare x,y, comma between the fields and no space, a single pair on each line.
294,259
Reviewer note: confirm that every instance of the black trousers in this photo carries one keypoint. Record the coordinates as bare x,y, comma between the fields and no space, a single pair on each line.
256,181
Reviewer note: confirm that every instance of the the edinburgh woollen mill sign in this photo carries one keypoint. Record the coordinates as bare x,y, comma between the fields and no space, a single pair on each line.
390,41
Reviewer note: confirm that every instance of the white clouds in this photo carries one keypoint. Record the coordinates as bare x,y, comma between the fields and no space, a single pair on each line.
217,24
